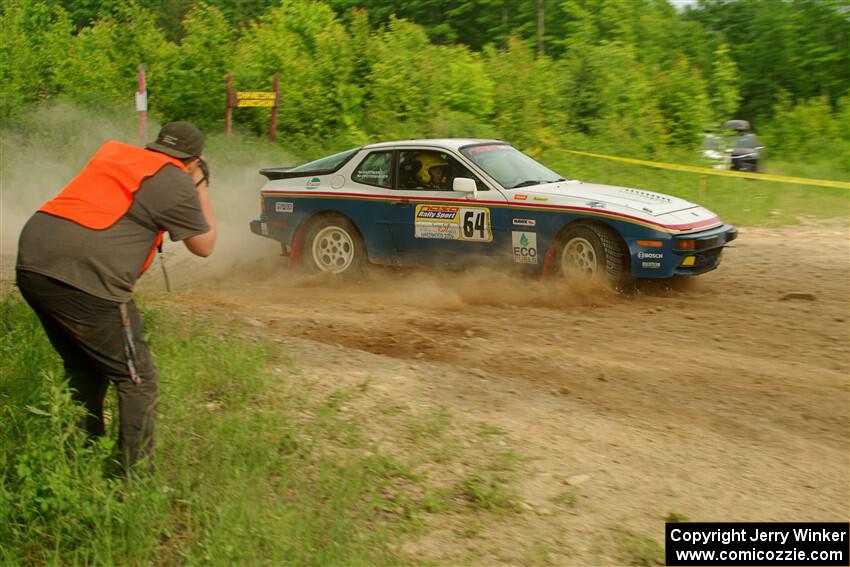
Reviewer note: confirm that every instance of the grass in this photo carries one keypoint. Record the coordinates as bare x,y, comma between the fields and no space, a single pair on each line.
253,467
636,549
255,464
737,201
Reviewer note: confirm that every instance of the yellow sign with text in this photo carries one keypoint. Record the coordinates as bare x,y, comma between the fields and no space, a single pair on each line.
254,98
252,102
255,94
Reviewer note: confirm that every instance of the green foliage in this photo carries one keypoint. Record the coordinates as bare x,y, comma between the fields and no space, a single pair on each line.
235,469
682,99
725,94
193,85
526,99
35,43
306,44
104,58
798,47
811,130
632,76
612,98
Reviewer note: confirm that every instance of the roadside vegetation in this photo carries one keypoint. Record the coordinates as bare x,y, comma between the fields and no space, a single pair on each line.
255,464
624,77
241,477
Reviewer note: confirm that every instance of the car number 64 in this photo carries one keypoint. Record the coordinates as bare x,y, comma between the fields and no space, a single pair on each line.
475,225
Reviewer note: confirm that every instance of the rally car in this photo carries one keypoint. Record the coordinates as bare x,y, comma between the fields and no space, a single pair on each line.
464,201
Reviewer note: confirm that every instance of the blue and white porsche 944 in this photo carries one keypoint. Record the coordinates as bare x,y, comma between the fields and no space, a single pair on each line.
465,201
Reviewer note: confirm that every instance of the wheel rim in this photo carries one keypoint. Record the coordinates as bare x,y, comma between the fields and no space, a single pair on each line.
579,258
333,250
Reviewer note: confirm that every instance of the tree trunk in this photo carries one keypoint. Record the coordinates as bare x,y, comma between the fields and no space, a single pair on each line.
540,20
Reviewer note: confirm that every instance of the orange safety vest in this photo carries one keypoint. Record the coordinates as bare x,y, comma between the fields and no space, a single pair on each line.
103,191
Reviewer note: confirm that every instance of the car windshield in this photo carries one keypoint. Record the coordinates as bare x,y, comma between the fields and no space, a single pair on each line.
509,166
329,163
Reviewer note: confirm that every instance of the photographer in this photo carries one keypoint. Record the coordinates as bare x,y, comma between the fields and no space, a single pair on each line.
79,257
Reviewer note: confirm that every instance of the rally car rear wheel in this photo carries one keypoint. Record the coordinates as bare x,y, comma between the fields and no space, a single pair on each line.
332,245
591,252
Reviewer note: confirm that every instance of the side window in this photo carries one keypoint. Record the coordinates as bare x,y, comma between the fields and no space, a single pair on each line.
431,170
375,169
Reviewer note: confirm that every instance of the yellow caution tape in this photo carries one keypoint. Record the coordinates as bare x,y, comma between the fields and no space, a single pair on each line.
721,172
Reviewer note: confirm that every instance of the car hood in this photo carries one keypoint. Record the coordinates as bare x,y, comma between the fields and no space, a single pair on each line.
592,195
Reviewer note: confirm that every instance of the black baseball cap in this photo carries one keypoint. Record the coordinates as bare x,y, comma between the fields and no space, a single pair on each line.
178,139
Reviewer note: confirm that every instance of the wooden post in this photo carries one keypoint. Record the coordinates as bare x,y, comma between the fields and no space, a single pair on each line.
273,122
142,104
228,113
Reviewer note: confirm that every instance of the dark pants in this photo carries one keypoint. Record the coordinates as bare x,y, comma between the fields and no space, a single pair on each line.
89,333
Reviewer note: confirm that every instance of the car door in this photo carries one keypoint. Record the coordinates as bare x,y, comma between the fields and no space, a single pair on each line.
432,224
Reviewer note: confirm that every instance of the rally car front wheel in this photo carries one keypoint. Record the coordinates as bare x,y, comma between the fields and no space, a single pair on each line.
332,245
589,252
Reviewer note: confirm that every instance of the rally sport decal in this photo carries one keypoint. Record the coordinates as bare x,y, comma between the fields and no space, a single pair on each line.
470,224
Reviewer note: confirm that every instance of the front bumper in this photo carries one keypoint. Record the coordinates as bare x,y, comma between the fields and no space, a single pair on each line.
667,258
707,251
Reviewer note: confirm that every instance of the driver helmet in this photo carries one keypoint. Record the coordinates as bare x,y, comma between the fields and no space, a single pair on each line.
427,161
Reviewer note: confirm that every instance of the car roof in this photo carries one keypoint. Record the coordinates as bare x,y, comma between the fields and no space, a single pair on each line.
447,143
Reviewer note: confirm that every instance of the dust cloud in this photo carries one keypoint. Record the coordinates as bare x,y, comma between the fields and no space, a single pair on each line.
397,289
45,149
40,155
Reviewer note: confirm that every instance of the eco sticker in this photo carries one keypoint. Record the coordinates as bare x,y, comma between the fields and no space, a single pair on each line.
313,183
453,223
524,246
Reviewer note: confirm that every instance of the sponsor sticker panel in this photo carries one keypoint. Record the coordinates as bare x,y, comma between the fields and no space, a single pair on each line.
453,223
524,247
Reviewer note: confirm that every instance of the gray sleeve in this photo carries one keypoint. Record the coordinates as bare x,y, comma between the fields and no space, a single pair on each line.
170,200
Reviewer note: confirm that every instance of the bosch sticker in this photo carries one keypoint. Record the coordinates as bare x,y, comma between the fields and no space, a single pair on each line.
453,223
650,255
283,207
524,246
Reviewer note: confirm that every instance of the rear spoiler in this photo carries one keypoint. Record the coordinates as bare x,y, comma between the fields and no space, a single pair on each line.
272,173
278,173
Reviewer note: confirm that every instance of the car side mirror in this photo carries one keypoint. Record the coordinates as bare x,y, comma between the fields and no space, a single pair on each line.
464,185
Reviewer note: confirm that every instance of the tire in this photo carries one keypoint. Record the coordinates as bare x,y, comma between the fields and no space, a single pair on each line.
333,246
588,252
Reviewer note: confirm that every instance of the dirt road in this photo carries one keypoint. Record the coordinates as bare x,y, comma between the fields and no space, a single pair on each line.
725,399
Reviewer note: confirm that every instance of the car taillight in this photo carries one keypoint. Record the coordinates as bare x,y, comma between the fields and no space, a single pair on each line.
686,244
